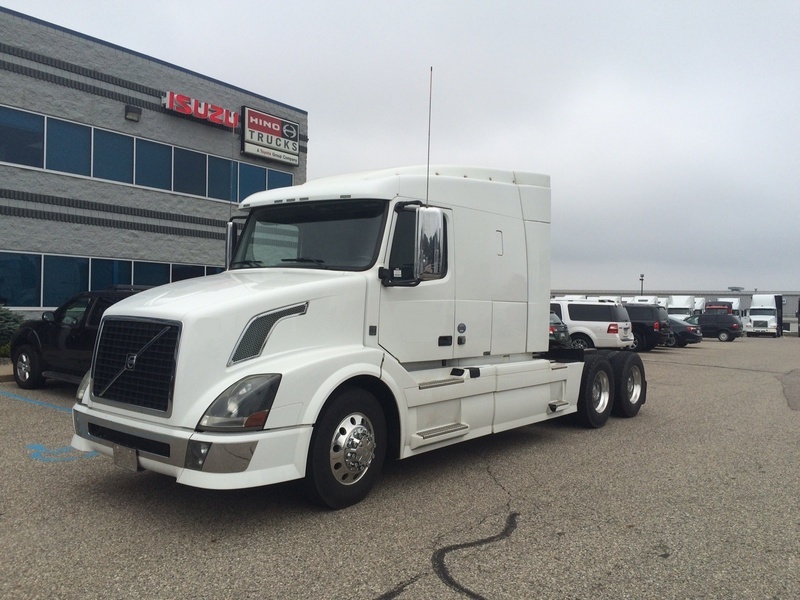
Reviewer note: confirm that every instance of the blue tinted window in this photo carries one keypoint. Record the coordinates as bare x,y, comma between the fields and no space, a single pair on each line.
187,271
146,273
278,179
69,147
222,179
190,172
214,270
106,272
251,179
21,138
153,165
20,279
113,156
64,277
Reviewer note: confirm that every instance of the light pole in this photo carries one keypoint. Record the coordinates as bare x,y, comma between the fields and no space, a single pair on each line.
641,284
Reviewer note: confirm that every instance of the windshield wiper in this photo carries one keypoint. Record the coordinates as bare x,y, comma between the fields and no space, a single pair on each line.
302,259
247,263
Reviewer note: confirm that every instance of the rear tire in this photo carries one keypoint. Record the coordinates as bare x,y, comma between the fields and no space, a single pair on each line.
596,396
581,341
724,336
28,368
630,385
639,343
347,449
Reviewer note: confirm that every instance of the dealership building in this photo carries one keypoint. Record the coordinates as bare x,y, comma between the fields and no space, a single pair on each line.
117,168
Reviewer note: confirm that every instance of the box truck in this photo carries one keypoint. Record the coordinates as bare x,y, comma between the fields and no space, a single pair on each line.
360,318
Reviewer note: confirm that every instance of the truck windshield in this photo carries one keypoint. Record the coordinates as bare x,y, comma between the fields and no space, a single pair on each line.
334,234
762,312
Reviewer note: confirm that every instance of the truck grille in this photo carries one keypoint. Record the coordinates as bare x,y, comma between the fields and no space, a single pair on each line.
760,324
134,363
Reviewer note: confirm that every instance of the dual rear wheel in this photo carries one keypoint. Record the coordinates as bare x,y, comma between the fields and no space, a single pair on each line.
612,382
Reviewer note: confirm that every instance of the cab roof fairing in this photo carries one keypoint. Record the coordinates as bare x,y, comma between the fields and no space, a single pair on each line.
385,184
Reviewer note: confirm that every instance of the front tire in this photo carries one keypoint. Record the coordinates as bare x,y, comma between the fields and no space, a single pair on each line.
596,392
347,450
630,385
28,368
724,336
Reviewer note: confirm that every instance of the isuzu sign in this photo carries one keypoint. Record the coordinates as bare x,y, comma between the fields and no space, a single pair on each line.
202,110
270,137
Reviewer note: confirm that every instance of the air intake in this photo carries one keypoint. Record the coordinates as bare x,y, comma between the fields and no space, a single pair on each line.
257,331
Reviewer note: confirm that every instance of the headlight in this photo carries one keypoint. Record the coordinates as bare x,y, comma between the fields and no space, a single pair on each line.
242,407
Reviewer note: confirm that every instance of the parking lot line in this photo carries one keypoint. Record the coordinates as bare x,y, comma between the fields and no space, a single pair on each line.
36,402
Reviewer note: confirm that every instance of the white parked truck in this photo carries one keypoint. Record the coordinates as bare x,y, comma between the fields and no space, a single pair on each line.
361,317
680,307
765,315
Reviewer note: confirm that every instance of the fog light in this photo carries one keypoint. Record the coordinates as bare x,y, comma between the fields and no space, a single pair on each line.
196,454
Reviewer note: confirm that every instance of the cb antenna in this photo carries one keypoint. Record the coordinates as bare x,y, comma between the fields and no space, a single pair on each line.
428,172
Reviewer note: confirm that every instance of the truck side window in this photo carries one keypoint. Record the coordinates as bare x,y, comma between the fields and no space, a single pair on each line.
401,257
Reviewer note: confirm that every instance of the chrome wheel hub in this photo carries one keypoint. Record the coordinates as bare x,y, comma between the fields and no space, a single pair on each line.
352,448
23,367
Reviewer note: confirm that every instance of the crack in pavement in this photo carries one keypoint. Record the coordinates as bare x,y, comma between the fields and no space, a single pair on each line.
438,558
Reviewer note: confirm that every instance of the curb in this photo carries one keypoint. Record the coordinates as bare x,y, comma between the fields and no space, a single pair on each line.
6,370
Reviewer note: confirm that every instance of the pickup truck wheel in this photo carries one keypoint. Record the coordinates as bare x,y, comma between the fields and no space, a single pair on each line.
724,336
581,341
596,395
347,450
630,386
27,368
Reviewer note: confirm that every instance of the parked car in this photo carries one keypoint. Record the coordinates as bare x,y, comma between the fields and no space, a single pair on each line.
683,333
725,328
650,324
594,323
559,333
60,344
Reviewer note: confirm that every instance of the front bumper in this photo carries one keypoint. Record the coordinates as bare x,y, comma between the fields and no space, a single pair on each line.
205,460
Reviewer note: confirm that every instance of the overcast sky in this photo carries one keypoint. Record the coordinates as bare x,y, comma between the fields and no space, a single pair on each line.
670,129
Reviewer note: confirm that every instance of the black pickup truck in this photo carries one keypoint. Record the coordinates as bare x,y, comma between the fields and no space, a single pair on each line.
60,344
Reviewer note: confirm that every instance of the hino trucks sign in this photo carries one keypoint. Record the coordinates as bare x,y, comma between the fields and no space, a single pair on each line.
270,137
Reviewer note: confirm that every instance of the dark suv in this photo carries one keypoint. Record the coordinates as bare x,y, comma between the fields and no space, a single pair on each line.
60,344
725,328
650,324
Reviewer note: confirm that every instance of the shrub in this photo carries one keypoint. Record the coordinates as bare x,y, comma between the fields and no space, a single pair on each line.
9,324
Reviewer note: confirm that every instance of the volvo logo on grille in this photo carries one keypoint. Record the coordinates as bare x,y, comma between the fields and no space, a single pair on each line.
130,362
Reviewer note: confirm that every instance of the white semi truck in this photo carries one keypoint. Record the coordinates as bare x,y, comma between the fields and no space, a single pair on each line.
765,315
360,318
680,307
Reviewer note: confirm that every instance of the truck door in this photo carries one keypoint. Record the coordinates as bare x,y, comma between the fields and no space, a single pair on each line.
417,319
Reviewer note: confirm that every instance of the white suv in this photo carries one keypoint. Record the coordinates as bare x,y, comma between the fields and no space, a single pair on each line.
595,323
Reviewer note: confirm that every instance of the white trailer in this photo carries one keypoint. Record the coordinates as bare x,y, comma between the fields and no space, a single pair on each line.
736,305
363,317
699,306
680,307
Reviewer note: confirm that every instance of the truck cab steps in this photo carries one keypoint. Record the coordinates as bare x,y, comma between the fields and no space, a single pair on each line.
437,434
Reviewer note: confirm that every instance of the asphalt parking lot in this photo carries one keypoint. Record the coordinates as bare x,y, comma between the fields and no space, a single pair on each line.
697,497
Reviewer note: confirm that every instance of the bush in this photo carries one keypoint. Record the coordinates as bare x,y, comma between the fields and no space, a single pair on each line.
5,351
9,324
